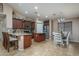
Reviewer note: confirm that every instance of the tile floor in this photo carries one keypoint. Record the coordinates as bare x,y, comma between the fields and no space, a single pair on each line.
45,48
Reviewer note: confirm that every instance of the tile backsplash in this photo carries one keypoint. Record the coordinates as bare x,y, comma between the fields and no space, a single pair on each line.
18,30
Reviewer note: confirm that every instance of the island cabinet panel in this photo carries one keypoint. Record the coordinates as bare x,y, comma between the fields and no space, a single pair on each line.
17,24
38,37
27,41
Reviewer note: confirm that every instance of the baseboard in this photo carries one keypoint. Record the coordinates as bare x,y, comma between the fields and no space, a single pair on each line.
74,41
20,49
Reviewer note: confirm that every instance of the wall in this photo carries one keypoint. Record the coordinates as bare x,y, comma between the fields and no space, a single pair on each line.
18,15
55,26
0,29
8,11
75,28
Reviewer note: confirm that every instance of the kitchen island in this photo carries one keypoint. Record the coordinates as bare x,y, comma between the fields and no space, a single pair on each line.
39,37
24,40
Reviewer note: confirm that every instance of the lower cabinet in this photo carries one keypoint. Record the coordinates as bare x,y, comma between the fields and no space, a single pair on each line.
38,37
27,41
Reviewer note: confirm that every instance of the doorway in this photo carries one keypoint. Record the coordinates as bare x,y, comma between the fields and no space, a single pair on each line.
46,29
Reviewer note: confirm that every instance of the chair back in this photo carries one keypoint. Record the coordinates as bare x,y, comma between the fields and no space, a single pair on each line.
65,34
5,39
68,36
67,39
57,38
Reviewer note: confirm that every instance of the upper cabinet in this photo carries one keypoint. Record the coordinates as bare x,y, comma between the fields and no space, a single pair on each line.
46,23
33,25
27,24
17,23
21,24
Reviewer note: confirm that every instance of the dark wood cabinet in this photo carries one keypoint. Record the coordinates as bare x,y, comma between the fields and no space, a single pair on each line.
26,24
46,23
38,37
33,25
27,41
33,28
17,23
22,24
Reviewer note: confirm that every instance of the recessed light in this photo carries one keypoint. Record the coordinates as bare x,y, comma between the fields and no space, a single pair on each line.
36,7
46,16
26,12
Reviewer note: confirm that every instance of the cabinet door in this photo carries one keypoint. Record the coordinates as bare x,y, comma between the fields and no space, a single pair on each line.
27,41
17,24
33,25
14,24
23,24
27,24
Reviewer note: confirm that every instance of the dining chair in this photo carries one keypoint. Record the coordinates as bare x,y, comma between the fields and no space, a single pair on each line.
57,38
66,38
7,40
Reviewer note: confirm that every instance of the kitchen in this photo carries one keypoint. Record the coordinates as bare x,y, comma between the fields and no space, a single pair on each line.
39,29
21,28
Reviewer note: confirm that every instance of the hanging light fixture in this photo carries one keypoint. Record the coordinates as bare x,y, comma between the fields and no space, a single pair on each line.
61,18
37,15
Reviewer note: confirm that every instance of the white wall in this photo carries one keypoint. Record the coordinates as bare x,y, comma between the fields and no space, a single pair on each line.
0,29
2,26
55,26
18,15
75,30
8,11
21,16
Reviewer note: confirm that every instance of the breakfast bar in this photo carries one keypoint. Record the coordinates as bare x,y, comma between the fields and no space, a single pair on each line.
24,40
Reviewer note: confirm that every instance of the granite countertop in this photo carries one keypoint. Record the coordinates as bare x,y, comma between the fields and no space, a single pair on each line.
20,34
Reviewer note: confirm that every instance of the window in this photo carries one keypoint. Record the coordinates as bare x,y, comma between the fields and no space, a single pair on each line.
66,26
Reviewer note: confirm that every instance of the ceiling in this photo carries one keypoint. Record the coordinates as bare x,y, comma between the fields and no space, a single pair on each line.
67,10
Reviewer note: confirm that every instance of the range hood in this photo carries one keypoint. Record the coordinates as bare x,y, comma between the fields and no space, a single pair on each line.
2,16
